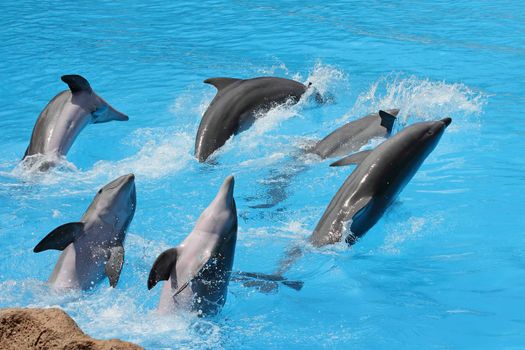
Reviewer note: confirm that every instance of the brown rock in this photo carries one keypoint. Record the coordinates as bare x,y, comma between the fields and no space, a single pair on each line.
45,329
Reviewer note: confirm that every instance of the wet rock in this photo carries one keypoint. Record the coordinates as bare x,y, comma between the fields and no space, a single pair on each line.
49,329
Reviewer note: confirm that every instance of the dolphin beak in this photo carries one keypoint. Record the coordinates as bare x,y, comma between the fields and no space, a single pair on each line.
226,190
130,177
228,185
446,121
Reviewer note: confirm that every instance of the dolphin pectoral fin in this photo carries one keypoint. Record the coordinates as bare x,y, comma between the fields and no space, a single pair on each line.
355,158
76,83
114,264
162,267
60,237
221,83
265,283
387,120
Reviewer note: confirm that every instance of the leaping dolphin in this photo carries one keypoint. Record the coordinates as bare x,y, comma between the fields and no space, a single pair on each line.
380,176
235,105
352,136
65,116
93,247
198,270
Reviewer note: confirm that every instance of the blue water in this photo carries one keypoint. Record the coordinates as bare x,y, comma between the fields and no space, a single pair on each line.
444,268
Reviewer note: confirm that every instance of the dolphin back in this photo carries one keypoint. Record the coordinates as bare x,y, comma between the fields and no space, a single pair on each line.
234,108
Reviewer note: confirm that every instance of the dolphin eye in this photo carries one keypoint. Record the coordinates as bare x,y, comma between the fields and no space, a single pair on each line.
100,191
430,132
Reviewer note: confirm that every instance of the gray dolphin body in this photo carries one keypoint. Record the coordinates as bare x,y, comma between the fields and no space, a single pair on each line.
235,105
65,116
352,136
380,176
198,270
93,248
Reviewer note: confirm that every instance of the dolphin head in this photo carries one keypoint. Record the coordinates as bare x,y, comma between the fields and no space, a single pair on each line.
116,200
221,215
425,136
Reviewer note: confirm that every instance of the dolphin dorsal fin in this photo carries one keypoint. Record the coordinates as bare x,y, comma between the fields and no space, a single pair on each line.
355,158
221,83
387,120
60,237
76,83
162,267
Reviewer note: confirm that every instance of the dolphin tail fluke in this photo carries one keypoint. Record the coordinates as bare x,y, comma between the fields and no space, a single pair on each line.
265,283
297,285
387,120
60,237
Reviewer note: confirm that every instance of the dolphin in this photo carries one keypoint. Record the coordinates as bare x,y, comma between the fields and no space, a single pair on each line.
234,108
64,117
93,247
198,270
352,136
380,176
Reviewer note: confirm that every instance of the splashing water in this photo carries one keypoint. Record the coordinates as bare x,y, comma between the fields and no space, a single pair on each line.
419,99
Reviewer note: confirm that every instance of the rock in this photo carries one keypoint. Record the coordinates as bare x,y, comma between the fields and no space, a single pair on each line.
49,329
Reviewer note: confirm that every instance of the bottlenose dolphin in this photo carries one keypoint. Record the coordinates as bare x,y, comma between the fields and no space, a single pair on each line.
198,270
352,136
65,116
93,247
380,176
235,106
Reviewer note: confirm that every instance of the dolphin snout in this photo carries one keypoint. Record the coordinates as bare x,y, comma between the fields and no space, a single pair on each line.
226,190
446,121
229,183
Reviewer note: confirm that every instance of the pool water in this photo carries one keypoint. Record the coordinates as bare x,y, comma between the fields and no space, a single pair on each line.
444,267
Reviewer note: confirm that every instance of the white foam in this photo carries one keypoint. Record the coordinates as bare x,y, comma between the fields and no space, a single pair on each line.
422,99
327,79
154,160
164,154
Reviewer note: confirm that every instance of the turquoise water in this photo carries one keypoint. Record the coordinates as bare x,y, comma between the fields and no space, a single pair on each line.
444,268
